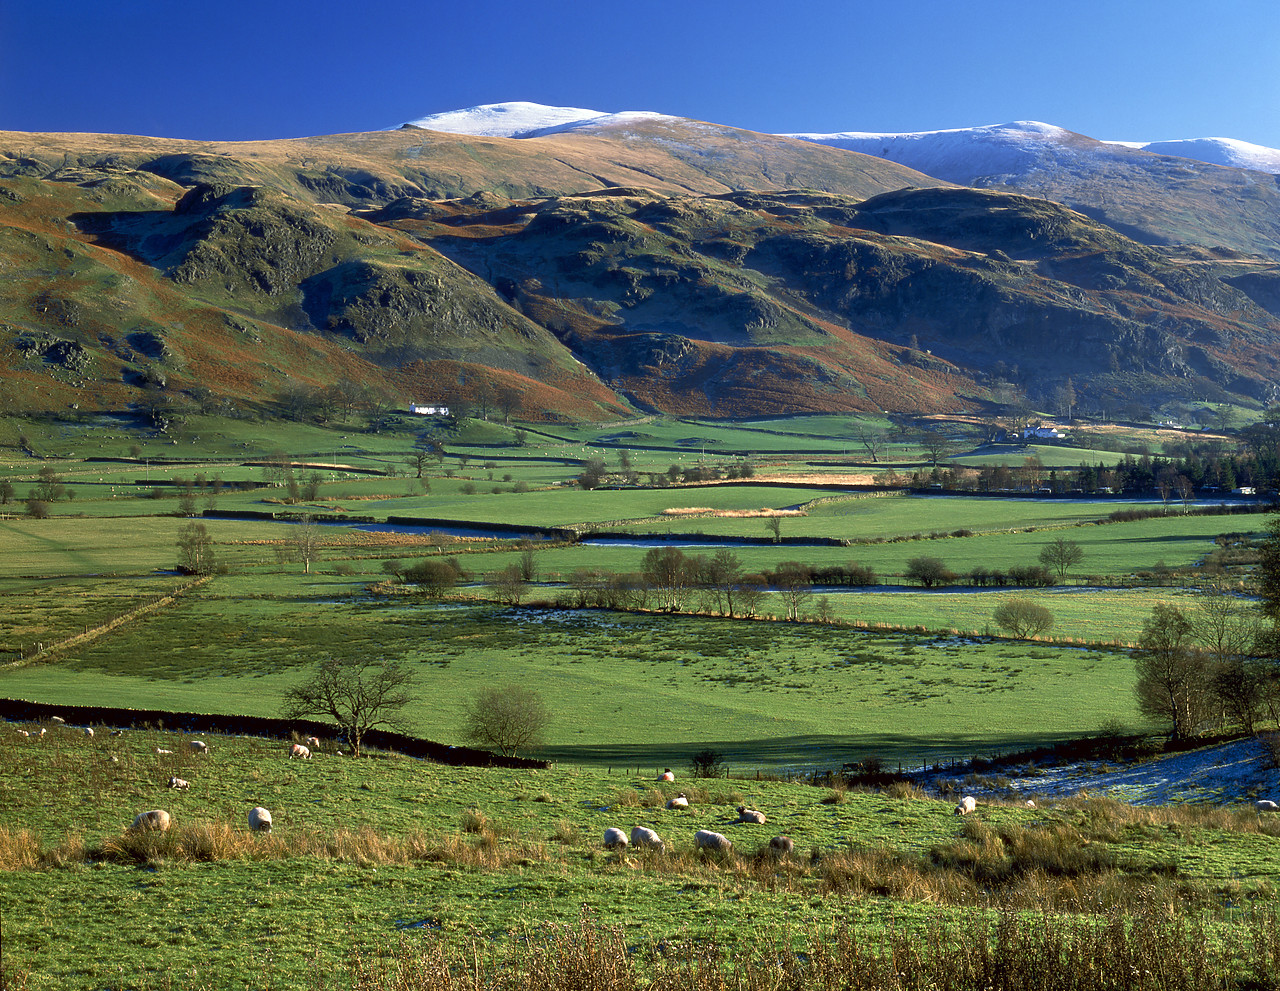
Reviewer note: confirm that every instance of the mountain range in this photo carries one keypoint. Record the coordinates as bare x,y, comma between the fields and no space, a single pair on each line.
596,264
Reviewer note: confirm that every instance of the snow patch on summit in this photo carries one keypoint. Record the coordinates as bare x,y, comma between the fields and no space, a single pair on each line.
525,120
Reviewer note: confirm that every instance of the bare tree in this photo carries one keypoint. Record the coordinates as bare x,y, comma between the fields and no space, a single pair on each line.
795,587
510,718
1172,674
871,442
1061,555
195,550
303,544
507,585
359,695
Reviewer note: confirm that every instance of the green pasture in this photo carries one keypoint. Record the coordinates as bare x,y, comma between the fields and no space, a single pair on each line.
502,854
629,687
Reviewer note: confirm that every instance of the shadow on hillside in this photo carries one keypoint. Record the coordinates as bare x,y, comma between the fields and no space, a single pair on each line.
812,752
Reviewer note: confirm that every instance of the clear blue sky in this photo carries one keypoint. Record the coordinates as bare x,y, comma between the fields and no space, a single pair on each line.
1113,69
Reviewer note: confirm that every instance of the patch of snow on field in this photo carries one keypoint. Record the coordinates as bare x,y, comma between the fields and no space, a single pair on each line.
1227,774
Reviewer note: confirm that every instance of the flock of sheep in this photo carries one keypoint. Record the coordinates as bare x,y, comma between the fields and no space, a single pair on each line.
704,840
159,820
641,837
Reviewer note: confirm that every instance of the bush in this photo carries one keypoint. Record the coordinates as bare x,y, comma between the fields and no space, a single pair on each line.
708,764
928,571
1022,617
1031,575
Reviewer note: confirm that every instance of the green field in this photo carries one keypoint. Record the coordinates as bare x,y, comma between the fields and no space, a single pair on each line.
387,855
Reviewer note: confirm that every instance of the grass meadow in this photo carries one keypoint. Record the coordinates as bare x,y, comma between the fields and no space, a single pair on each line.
395,873
390,857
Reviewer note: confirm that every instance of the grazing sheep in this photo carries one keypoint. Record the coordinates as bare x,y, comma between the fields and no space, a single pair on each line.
782,846
614,838
1030,803
679,802
181,784
750,815
967,805
117,732
313,741
199,746
155,819
298,750
88,731
705,839
42,732
259,820
23,732
643,837
161,750
667,775
57,719
1266,805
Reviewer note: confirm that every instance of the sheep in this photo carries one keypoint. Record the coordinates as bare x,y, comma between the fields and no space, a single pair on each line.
667,775
162,751
705,839
750,815
614,838
42,732
1266,805
117,732
57,719
199,747
643,837
313,741
23,732
967,805
259,820
181,784
679,802
1030,803
782,846
298,750
88,731
157,820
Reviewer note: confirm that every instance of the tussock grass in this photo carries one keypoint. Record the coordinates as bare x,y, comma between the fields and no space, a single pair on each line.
1007,952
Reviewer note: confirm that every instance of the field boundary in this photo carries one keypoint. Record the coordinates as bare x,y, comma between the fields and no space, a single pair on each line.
44,652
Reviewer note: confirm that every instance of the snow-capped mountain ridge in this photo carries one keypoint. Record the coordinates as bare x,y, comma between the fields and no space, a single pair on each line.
956,154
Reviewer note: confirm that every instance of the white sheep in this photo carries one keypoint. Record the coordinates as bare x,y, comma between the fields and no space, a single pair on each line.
298,750
681,801
705,839
967,805
641,836
154,819
181,784
1030,803
259,820
614,838
1266,805
88,731
117,732
57,719
782,846
313,741
42,731
199,746
750,815
667,775
23,732
162,751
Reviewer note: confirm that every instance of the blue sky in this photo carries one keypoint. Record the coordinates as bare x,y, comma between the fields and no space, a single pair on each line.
1113,69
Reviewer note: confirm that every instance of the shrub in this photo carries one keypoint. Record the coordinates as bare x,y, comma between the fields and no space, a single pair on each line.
928,571
708,764
1022,617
